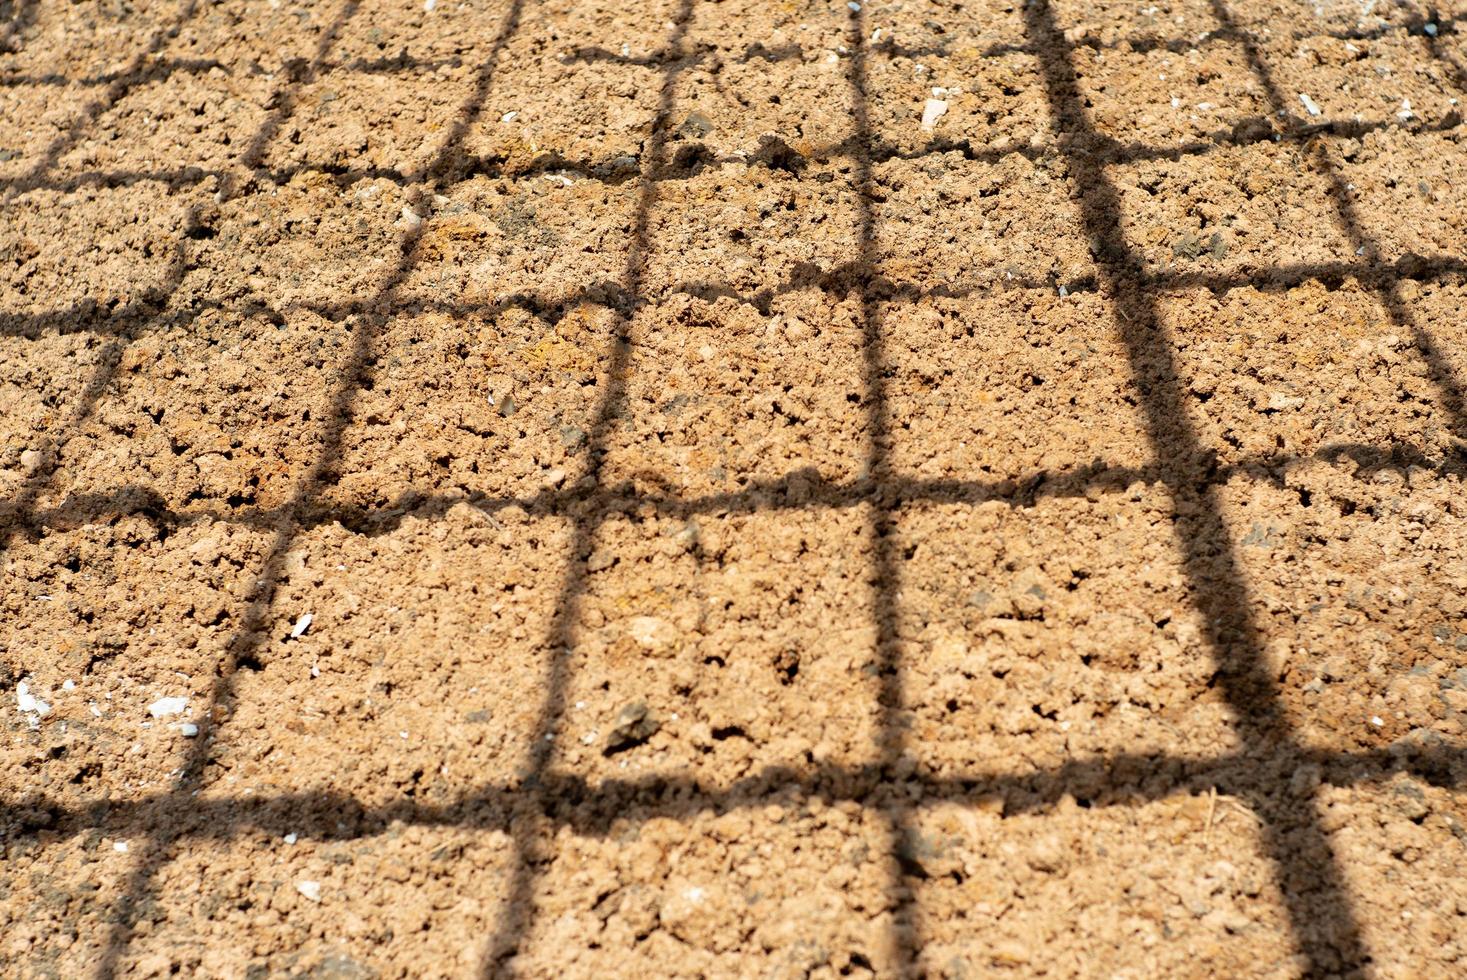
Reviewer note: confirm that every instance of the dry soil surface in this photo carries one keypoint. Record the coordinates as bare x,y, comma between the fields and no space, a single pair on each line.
572,488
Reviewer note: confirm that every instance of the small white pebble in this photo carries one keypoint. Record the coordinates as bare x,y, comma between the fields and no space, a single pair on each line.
68,685
301,625
1309,104
428,5
1405,112
1376,720
402,734
96,711
509,117
166,707
1430,30
315,670
28,702
291,838
188,729
1063,292
1176,102
855,7
120,846
310,889
1204,106
932,112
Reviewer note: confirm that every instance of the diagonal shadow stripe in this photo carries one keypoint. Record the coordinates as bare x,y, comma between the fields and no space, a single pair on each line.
1321,915
518,910
260,595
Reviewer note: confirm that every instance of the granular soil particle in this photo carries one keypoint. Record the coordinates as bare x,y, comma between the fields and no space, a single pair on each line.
744,532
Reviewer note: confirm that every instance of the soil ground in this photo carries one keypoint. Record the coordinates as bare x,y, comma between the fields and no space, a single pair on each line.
563,488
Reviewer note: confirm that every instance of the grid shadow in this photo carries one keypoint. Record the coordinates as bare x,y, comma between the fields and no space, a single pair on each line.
1321,915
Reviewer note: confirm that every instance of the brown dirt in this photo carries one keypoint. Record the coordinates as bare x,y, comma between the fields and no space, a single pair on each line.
745,534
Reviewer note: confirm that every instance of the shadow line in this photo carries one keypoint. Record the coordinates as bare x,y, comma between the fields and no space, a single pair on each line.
840,280
803,489
904,934
241,652
517,915
1321,914
598,809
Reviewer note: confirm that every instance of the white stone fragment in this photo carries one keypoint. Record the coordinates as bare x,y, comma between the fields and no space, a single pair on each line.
1376,720
301,625
167,707
188,729
1309,104
120,846
68,685
509,117
29,703
291,838
428,5
855,7
310,889
932,112
1430,30
1280,402
1405,112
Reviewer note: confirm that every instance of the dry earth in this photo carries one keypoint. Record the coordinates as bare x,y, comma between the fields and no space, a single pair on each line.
743,532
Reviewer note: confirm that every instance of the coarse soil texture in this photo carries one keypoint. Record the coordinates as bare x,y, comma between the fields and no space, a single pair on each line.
571,488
